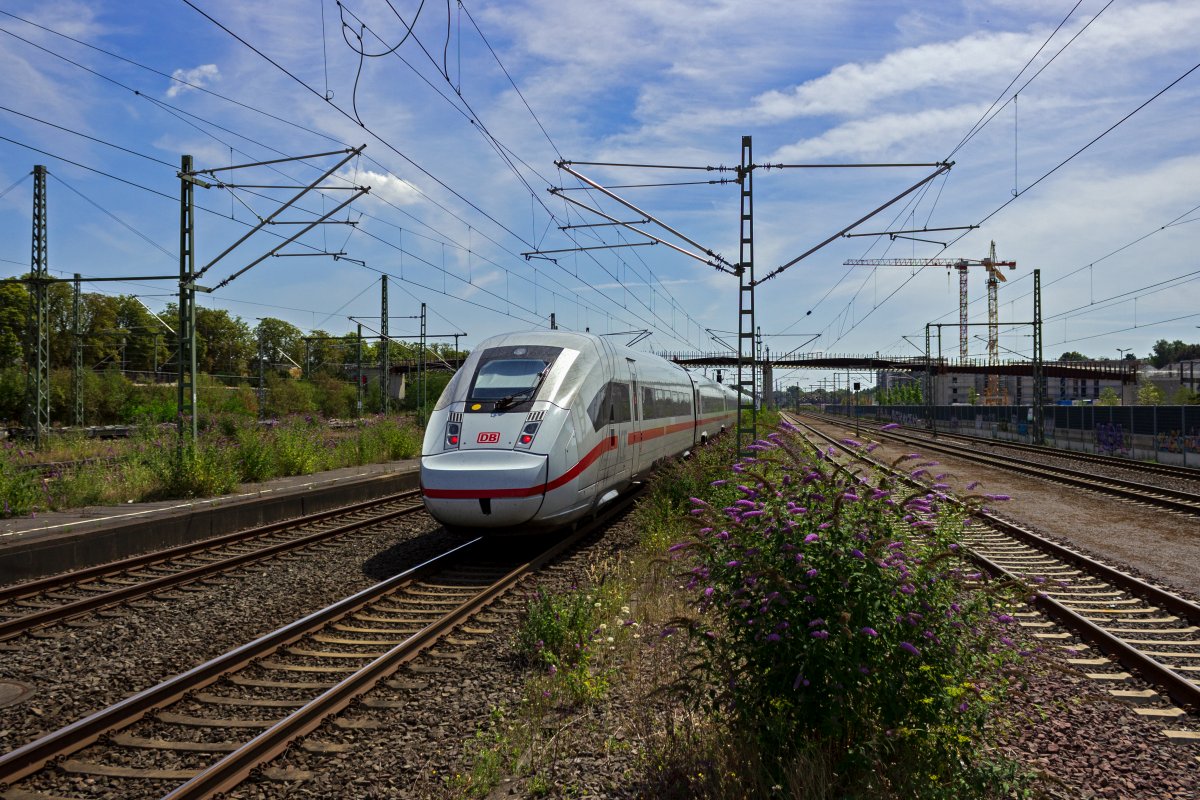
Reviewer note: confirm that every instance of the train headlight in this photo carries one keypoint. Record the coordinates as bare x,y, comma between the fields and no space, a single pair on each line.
453,429
525,440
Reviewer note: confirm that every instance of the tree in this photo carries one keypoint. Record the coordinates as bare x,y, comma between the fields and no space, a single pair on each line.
282,343
1169,352
1184,396
1149,395
1073,355
1108,397
14,311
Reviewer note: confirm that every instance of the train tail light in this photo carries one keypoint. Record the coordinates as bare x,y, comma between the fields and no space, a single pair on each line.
525,440
453,432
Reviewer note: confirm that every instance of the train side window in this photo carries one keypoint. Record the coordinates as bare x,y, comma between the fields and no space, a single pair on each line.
599,410
619,402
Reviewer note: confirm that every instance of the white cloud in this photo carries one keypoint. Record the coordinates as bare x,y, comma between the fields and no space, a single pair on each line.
194,78
396,191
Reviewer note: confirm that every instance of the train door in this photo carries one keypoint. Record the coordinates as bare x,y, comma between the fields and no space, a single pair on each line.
630,438
607,423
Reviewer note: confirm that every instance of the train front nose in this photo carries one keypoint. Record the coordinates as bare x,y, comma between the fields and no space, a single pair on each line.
483,488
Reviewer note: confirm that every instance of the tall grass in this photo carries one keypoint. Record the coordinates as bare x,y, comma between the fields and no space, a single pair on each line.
836,628
229,451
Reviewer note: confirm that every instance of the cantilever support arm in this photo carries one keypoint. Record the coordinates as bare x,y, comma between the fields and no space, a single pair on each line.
350,154
943,168
709,261
291,239
710,253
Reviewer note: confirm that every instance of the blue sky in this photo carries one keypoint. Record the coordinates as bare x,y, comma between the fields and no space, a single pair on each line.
459,161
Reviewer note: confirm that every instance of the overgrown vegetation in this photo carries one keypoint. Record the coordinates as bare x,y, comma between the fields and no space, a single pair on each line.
230,450
836,629
827,640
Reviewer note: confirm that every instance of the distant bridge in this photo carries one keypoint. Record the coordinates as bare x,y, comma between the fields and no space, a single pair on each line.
1123,371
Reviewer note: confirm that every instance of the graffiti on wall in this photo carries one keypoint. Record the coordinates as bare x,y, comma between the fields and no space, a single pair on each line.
1111,439
1176,442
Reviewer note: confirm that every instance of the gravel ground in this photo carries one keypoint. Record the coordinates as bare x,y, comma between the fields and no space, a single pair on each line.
80,668
419,736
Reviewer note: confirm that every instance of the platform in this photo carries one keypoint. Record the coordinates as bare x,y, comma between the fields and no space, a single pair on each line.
58,541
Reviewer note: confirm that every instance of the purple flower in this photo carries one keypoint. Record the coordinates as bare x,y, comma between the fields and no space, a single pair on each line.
708,592
851,443
891,426
752,514
812,573
696,501
972,485
773,637
998,497
718,483
857,553
870,632
816,622
820,634
812,537
910,648
800,681
679,546
553,670
851,496
734,563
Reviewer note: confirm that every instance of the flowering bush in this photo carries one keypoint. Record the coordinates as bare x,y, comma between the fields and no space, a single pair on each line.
835,615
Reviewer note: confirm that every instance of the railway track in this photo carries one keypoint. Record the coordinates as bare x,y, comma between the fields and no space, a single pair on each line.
1161,497
31,606
1116,462
1152,632
203,732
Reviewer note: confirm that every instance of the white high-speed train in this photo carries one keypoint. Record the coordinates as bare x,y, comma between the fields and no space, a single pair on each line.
538,429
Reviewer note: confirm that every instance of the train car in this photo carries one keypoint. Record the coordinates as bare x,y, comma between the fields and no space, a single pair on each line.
539,429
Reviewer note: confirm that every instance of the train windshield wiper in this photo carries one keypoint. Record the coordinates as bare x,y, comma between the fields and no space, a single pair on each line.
510,399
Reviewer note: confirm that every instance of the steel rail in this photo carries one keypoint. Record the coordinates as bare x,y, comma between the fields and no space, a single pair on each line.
33,756
10,628
17,591
1179,688
1182,690
235,767
1171,470
1183,502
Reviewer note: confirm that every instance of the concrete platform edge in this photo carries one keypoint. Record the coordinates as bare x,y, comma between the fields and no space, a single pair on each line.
95,541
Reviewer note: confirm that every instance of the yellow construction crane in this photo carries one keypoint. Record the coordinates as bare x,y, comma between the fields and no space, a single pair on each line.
961,264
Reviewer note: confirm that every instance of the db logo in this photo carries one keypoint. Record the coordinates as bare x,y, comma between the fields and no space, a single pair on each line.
488,437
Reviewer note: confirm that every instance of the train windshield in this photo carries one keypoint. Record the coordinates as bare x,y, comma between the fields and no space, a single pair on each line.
508,377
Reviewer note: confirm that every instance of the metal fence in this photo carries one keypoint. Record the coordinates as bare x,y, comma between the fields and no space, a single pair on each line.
1170,434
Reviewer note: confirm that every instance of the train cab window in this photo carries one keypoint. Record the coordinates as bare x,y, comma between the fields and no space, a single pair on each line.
510,375
610,405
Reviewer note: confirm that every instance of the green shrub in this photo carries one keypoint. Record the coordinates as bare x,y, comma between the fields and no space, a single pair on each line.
557,629
20,489
836,621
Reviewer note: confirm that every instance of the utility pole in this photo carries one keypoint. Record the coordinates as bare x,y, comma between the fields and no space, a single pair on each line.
38,386
186,406
747,425
262,375
384,362
421,374
1039,387
358,383
77,367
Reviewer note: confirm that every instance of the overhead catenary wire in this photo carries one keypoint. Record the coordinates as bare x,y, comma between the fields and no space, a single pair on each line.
178,112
